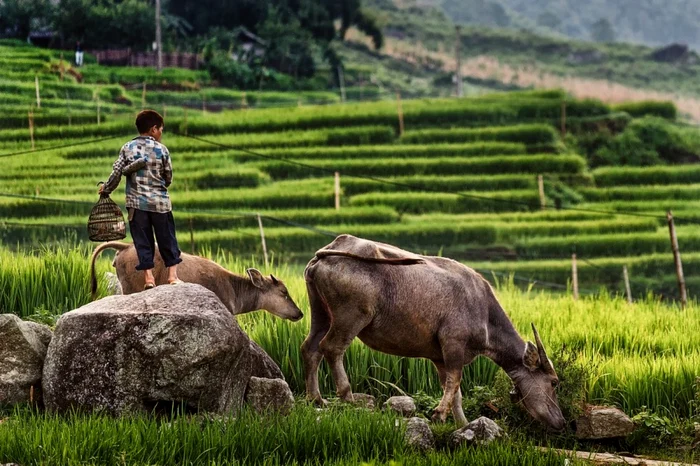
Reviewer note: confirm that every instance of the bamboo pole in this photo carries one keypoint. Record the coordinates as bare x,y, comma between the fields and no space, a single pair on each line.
400,111
31,127
543,199
38,96
574,275
677,259
626,278
262,239
337,190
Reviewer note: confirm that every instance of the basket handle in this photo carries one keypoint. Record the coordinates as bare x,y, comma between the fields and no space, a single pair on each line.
102,194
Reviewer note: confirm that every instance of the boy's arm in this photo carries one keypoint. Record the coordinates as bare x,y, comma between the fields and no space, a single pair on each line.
167,168
116,176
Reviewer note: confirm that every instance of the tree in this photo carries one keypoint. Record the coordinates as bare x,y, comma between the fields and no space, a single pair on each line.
17,16
602,31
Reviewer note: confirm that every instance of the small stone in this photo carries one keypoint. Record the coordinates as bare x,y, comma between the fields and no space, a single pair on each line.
364,400
419,435
600,422
269,394
404,405
481,431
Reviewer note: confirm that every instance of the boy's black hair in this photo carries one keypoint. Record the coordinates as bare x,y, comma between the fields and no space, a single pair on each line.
147,119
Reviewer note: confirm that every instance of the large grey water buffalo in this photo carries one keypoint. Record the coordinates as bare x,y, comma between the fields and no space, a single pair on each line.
239,294
409,305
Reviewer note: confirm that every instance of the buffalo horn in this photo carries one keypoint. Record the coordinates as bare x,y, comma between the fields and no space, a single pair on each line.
544,360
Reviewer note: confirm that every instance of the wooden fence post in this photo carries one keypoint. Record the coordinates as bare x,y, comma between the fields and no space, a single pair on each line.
194,251
400,110
60,66
185,121
204,104
628,289
31,127
337,191
36,85
143,96
574,275
99,111
262,239
244,101
543,199
563,118
677,258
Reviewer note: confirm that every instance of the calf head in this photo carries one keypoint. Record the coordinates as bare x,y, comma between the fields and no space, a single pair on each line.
274,297
535,384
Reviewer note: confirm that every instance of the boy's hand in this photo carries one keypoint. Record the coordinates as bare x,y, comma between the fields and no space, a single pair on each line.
102,188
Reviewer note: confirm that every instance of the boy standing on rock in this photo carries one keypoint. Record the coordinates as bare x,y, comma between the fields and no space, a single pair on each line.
147,165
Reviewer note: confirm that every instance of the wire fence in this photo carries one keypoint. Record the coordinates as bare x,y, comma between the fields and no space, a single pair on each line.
315,229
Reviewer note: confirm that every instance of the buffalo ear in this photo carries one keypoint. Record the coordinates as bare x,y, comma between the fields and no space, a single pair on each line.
531,357
256,277
274,280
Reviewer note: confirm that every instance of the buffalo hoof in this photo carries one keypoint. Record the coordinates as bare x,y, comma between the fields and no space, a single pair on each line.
318,401
439,417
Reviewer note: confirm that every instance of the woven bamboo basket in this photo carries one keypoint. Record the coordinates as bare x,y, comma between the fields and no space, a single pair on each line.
106,222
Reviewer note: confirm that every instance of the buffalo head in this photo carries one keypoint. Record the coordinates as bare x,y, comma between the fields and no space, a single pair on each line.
535,384
274,297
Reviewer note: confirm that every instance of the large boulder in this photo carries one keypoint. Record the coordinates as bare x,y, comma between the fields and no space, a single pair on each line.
138,352
23,348
599,422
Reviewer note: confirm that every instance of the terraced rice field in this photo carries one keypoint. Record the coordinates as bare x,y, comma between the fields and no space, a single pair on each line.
461,180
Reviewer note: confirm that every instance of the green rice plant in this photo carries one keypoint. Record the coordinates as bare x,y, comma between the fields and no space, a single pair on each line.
95,74
418,203
639,109
451,183
339,436
619,244
637,193
492,165
524,134
282,240
655,175
391,151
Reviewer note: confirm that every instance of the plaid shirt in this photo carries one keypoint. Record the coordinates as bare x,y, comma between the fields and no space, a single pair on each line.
146,164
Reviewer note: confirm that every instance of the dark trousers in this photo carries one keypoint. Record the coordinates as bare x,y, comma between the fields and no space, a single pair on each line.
142,225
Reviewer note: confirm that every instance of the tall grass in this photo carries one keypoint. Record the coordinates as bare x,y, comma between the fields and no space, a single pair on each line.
306,437
642,354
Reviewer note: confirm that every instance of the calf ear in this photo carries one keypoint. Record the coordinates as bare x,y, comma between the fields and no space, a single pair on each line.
256,277
274,280
531,357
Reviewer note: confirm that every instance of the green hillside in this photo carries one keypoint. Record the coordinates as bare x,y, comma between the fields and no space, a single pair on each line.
650,22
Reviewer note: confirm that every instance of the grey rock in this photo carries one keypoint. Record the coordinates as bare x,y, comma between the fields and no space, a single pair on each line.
23,348
130,353
364,400
419,435
269,394
404,405
263,365
113,284
600,422
481,431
